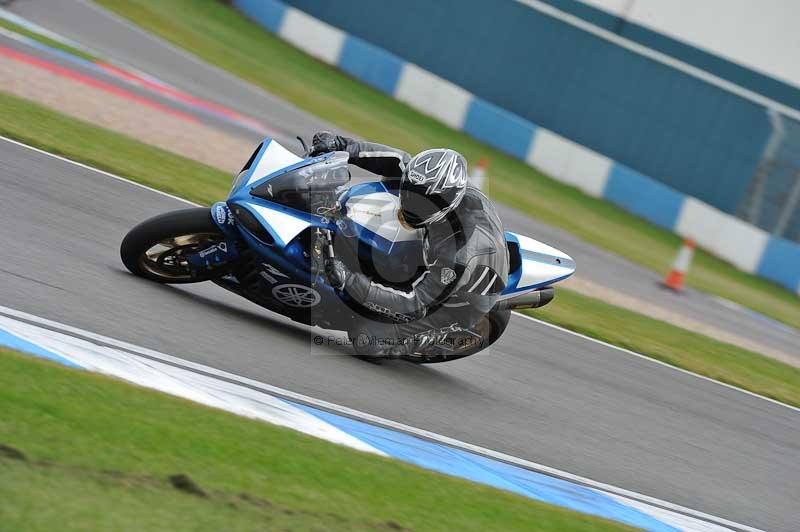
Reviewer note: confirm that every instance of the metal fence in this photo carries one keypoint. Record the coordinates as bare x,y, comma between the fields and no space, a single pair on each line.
773,198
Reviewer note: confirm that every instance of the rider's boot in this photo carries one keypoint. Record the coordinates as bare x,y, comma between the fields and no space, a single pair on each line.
372,348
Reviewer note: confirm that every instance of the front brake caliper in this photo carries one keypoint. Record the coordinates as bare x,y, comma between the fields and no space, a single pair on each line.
214,255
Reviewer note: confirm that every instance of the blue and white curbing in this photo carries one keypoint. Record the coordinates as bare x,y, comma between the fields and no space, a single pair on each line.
746,246
86,350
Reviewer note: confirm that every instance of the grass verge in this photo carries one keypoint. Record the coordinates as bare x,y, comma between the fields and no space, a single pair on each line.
221,36
16,28
98,454
673,345
47,129
101,148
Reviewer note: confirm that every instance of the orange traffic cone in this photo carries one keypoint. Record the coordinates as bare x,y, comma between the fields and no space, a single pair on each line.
479,173
674,279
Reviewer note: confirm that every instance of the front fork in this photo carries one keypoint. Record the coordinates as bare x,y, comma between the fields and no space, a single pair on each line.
219,253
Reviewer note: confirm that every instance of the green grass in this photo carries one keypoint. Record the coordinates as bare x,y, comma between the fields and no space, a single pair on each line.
7,24
98,454
221,36
122,155
673,345
50,130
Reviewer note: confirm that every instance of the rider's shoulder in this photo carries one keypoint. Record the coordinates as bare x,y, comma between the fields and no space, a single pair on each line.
477,211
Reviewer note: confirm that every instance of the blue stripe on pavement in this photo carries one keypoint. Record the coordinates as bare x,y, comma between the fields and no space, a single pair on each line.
499,128
450,461
371,64
459,463
15,342
643,196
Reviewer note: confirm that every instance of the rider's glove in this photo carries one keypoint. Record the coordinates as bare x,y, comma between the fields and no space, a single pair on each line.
337,273
325,142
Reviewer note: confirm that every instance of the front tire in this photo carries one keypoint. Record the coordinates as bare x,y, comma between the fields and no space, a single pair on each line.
155,249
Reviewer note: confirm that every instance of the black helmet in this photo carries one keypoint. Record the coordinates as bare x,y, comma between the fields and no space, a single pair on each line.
432,185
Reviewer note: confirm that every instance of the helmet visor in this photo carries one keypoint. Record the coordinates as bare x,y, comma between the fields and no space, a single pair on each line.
419,208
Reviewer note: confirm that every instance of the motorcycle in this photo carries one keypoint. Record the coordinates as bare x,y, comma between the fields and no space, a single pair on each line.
286,214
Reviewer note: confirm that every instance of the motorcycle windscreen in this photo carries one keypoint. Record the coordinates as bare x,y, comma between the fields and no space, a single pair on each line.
273,157
268,158
307,186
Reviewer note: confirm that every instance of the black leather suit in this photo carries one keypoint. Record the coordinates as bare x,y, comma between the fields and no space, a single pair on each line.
466,262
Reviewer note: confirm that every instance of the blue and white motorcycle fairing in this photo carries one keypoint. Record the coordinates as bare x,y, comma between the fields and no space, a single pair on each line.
281,211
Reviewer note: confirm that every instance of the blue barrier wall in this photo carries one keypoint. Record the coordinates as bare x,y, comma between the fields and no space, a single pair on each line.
781,263
695,137
643,196
499,128
269,14
747,247
371,64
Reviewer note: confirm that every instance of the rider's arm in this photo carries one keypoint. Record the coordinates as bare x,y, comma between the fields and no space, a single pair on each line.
478,286
377,158
425,294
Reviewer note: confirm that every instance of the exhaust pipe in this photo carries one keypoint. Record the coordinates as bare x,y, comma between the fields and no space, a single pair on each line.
535,299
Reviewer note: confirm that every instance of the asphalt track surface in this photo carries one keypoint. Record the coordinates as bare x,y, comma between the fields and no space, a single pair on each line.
96,28
541,394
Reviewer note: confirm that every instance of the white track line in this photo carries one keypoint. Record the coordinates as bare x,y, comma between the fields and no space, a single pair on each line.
103,172
654,361
540,322
369,418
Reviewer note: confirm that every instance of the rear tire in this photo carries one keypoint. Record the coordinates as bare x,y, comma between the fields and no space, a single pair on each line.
492,326
179,232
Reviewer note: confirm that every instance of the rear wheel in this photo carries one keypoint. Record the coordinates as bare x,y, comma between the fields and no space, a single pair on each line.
489,328
157,248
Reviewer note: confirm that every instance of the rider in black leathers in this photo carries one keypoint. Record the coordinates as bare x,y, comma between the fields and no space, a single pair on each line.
466,259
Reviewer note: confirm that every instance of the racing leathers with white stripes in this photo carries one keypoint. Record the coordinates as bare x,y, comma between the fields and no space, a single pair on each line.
466,260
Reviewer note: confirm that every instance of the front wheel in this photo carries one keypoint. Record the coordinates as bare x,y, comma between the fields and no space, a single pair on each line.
156,248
